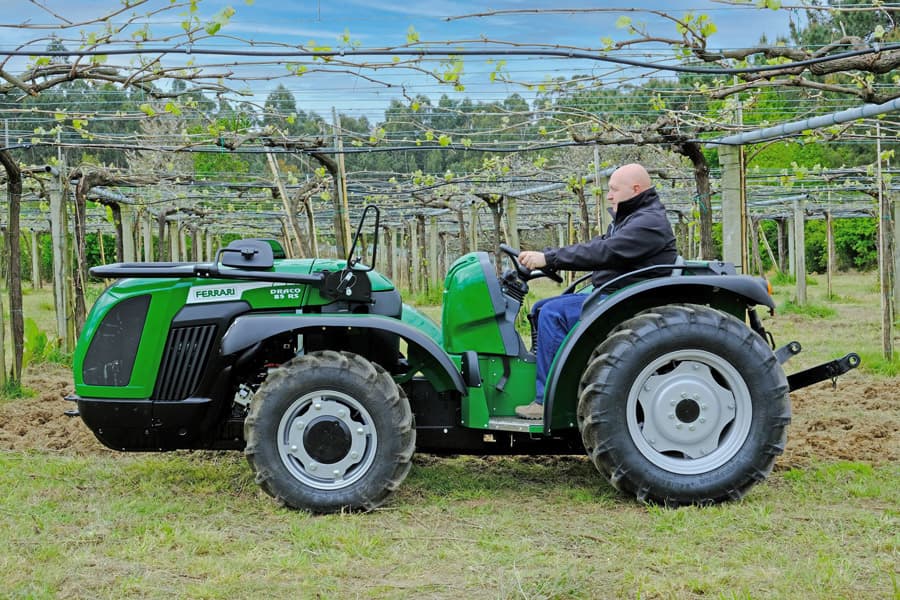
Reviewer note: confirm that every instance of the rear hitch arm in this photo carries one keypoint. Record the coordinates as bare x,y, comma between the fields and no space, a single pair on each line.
830,370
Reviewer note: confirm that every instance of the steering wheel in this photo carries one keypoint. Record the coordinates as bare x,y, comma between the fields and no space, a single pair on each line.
525,274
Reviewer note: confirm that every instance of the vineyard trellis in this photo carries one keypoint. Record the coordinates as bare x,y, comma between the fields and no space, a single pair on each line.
123,148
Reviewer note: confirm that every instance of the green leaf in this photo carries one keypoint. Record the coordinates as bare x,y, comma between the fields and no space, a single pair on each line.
213,28
623,22
412,36
147,109
708,29
444,140
429,135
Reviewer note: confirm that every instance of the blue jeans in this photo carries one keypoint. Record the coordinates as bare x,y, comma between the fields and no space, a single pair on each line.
556,318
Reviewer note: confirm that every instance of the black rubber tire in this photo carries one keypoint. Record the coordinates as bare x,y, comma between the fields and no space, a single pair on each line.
374,403
637,376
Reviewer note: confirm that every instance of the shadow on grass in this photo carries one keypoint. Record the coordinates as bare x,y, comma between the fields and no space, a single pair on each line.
199,477
473,477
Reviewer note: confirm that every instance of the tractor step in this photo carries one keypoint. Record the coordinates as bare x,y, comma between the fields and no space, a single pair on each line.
516,424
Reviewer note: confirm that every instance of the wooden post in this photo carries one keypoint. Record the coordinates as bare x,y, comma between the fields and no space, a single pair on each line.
790,247
799,250
147,227
434,275
294,240
388,252
473,227
783,264
443,256
210,250
829,256
401,270
101,246
601,217
512,222
415,263
342,210
126,213
62,266
172,226
755,265
182,242
35,260
885,261
765,242
681,234
200,245
691,242
895,200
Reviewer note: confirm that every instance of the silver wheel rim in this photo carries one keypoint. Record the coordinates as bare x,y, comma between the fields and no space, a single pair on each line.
689,412
339,410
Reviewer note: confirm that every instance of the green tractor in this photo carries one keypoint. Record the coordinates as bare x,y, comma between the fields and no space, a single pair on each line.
328,382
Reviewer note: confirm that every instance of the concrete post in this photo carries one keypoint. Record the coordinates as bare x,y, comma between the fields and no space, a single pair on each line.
35,260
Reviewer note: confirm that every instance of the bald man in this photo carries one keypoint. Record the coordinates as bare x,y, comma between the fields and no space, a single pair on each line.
639,236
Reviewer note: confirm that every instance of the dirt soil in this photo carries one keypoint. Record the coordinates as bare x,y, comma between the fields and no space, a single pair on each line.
858,421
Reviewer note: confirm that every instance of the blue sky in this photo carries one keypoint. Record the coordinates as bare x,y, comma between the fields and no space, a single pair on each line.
380,23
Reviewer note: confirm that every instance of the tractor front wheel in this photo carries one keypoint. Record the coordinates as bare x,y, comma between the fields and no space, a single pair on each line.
684,404
329,431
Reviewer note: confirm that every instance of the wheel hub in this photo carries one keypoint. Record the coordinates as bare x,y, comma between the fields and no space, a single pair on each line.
327,439
685,410
325,443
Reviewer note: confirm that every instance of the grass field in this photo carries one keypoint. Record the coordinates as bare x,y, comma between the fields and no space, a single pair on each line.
83,522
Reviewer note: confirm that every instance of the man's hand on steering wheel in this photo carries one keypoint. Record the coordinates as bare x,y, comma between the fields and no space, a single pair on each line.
530,270
532,259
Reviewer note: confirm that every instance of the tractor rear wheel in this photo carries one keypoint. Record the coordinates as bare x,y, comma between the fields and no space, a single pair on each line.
684,404
330,431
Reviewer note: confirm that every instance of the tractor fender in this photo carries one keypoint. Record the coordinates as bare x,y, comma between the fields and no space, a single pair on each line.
248,330
600,315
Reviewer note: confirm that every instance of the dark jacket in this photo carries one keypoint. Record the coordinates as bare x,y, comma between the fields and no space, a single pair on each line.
639,236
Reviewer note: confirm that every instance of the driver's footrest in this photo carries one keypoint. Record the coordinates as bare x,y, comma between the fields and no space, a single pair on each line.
516,424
